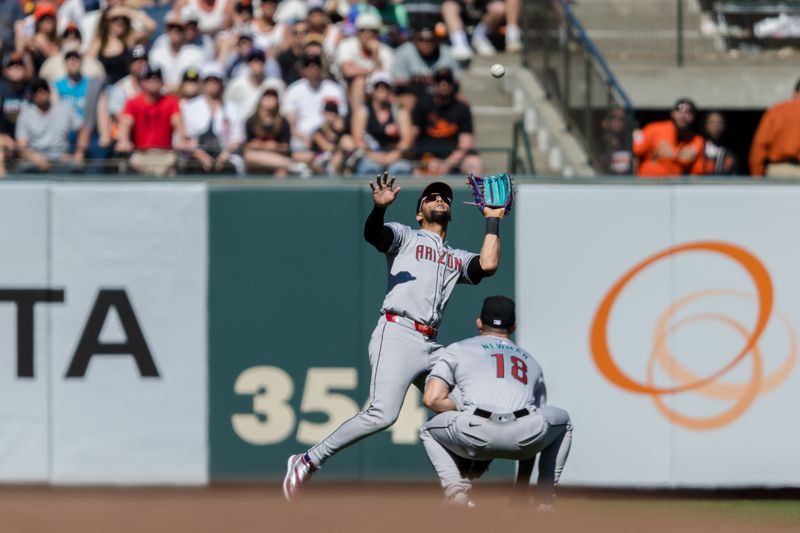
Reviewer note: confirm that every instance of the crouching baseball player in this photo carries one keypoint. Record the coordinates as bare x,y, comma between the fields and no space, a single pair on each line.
502,413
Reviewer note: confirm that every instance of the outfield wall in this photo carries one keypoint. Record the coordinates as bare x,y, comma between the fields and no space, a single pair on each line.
187,332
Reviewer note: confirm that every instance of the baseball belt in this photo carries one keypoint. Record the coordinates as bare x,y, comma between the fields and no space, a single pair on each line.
428,331
501,417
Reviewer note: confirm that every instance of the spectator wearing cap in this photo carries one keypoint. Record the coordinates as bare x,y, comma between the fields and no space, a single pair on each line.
416,61
193,35
303,106
670,148
268,135
176,58
444,133
243,92
382,131
393,16
43,42
331,144
129,86
190,86
242,16
319,23
54,67
149,123
14,94
775,151
43,131
72,87
214,129
238,61
116,35
268,33
361,55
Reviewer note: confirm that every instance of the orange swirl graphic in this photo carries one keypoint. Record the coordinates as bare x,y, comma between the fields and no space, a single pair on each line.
743,394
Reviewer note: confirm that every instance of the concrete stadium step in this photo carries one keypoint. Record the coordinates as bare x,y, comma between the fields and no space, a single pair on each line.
493,112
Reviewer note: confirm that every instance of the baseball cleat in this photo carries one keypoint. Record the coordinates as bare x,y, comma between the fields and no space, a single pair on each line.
298,474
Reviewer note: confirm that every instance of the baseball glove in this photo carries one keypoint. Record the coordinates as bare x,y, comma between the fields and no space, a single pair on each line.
493,192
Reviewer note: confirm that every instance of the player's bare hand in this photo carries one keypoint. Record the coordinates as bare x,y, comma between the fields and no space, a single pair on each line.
383,190
488,212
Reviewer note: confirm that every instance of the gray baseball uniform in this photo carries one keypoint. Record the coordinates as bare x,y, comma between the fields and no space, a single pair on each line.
422,273
503,414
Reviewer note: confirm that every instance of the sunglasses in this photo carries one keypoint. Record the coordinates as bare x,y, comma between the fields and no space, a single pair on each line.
426,39
436,196
367,30
118,18
177,27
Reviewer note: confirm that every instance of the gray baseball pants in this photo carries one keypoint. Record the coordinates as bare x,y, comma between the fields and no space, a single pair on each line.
399,356
548,431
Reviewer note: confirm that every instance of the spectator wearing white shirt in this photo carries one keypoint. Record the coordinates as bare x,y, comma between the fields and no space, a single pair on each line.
243,92
303,106
173,60
213,127
361,55
268,34
212,15
54,67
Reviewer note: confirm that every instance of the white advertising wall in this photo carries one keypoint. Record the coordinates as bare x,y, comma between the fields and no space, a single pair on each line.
23,388
120,389
665,318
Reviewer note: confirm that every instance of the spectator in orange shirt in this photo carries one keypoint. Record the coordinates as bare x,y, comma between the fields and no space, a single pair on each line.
776,145
670,147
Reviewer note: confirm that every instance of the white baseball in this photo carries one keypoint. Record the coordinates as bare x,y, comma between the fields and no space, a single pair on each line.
498,70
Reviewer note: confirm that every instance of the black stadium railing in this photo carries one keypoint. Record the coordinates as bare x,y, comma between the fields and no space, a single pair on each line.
579,82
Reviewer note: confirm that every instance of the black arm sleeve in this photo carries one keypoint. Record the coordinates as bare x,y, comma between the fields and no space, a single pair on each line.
375,233
475,272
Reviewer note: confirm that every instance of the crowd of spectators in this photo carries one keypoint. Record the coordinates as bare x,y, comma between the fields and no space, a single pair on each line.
672,147
277,87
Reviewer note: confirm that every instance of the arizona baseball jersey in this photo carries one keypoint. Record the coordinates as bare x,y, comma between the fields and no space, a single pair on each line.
422,273
503,414
492,373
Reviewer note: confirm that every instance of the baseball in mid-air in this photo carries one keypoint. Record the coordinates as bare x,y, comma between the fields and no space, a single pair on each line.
498,70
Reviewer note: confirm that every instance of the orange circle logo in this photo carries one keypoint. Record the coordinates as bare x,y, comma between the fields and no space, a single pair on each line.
743,395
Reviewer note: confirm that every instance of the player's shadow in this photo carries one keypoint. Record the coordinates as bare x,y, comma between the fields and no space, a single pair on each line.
400,277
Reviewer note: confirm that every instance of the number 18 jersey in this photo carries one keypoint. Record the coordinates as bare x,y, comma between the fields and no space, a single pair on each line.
493,374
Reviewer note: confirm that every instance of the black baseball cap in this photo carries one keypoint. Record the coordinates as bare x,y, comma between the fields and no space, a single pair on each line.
191,74
39,85
498,312
257,53
444,74
437,187
331,106
151,72
311,59
138,52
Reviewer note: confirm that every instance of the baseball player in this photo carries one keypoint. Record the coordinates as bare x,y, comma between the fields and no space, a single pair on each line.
422,273
502,413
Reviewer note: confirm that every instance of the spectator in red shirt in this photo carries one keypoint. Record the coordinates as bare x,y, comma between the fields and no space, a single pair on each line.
148,124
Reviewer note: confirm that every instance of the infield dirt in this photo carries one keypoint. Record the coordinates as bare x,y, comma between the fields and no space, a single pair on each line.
334,508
